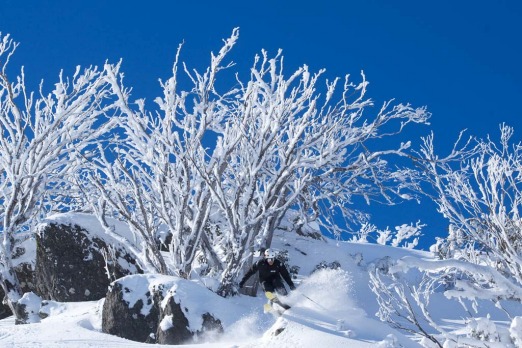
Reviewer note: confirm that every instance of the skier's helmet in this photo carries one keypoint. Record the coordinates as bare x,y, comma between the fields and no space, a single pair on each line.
269,254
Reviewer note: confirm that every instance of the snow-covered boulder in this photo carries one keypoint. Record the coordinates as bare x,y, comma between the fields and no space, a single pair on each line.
70,262
159,309
129,317
27,309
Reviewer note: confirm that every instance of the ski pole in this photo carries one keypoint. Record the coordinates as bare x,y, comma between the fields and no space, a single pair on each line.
312,300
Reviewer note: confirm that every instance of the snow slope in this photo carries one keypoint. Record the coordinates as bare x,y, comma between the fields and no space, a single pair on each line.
330,308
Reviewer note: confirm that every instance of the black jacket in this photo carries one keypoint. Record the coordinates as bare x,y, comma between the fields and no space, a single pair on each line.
267,272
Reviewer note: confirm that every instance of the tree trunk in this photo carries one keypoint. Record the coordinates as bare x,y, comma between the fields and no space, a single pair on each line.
226,288
251,286
13,293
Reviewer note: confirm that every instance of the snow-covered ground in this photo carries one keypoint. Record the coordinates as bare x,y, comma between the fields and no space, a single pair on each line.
330,308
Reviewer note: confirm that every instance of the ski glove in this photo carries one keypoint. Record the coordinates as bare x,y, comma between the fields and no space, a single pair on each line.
241,283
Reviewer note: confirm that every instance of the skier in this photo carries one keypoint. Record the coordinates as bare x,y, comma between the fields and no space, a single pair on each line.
270,273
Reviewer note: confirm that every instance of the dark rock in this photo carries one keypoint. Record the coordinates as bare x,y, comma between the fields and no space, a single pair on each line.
177,330
174,325
70,266
278,331
212,327
163,318
119,319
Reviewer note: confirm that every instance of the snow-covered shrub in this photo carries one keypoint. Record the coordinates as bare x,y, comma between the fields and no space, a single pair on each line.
450,343
382,265
401,237
515,330
357,258
426,343
483,329
389,342
405,232
324,265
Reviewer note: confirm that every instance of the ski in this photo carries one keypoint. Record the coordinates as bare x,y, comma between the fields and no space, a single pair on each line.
274,305
269,308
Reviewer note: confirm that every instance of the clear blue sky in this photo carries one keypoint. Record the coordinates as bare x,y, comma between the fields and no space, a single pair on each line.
462,59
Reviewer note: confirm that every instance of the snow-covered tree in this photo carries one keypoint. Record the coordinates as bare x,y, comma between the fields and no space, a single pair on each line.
152,180
221,167
405,306
481,196
42,136
478,188
406,236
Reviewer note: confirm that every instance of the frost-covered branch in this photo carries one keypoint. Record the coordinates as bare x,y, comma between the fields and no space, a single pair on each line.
221,167
404,306
478,188
497,286
41,139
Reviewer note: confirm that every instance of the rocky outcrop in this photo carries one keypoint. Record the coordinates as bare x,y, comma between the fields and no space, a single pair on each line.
149,308
70,261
